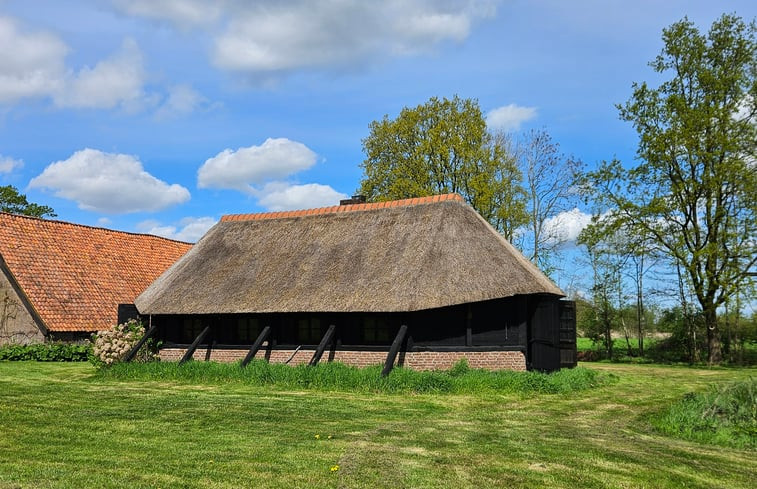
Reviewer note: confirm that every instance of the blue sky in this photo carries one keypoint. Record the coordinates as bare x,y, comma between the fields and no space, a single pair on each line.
162,115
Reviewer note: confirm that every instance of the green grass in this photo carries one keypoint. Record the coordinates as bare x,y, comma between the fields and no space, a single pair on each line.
65,426
724,415
339,377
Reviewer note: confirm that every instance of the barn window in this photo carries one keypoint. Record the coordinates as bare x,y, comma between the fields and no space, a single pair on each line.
376,330
309,331
191,328
248,329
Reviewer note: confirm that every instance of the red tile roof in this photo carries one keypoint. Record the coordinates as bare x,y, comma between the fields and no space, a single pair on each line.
342,208
75,276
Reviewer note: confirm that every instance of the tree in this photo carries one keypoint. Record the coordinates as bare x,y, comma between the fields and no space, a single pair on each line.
14,202
439,147
549,185
694,190
605,248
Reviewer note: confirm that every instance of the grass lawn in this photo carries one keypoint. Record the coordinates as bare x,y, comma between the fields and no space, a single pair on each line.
60,426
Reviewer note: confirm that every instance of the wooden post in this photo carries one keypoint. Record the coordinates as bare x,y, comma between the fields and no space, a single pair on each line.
190,351
390,357
325,341
133,352
256,346
468,327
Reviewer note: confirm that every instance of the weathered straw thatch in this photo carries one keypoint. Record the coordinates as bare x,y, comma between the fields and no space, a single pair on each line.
412,255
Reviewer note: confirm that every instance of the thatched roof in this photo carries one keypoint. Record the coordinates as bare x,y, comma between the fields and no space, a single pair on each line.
392,256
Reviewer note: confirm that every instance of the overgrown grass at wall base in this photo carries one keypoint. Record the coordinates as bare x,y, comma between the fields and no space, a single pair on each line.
725,415
47,352
340,377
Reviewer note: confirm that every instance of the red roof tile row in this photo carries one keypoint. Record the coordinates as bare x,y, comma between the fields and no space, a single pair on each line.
75,276
342,208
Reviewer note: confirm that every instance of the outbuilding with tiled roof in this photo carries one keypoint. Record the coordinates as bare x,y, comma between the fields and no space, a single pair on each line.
60,280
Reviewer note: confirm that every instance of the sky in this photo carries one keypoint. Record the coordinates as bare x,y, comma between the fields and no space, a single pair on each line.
160,116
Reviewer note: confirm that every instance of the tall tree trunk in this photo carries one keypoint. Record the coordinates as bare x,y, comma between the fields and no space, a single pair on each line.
608,331
640,303
714,352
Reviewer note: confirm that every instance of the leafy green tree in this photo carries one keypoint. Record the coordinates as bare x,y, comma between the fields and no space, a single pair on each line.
439,147
14,202
694,190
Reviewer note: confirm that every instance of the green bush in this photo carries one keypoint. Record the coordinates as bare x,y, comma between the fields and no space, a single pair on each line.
336,376
725,415
46,352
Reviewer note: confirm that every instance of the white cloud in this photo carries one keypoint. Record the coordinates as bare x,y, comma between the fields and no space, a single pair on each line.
8,164
509,117
245,167
269,38
277,38
278,196
189,229
183,12
31,63
566,226
115,81
259,171
108,183
182,100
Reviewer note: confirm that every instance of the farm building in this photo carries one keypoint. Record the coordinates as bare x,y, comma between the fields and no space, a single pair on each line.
428,275
63,281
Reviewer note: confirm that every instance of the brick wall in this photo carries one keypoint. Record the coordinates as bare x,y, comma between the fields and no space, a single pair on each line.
491,360
426,360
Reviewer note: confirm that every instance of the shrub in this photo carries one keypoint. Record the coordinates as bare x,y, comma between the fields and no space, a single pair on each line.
460,368
725,415
46,352
111,346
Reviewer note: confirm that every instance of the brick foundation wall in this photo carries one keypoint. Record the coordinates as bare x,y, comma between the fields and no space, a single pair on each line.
424,360
490,360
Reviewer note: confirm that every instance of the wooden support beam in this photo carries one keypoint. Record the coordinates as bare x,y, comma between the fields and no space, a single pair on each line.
292,355
256,346
325,341
133,352
190,351
392,355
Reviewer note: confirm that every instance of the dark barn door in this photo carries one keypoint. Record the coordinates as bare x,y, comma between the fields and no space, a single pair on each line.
544,335
568,357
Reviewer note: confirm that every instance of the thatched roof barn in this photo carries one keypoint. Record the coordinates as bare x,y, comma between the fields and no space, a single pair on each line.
387,259
400,256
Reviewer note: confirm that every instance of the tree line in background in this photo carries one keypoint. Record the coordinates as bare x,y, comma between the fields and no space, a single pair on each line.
685,213
683,218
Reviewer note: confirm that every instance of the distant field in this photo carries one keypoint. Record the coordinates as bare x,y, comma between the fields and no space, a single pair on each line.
62,427
618,344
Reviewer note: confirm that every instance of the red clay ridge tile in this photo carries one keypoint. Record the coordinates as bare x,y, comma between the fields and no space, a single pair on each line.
344,208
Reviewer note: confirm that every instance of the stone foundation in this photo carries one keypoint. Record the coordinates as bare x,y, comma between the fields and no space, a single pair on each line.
422,360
